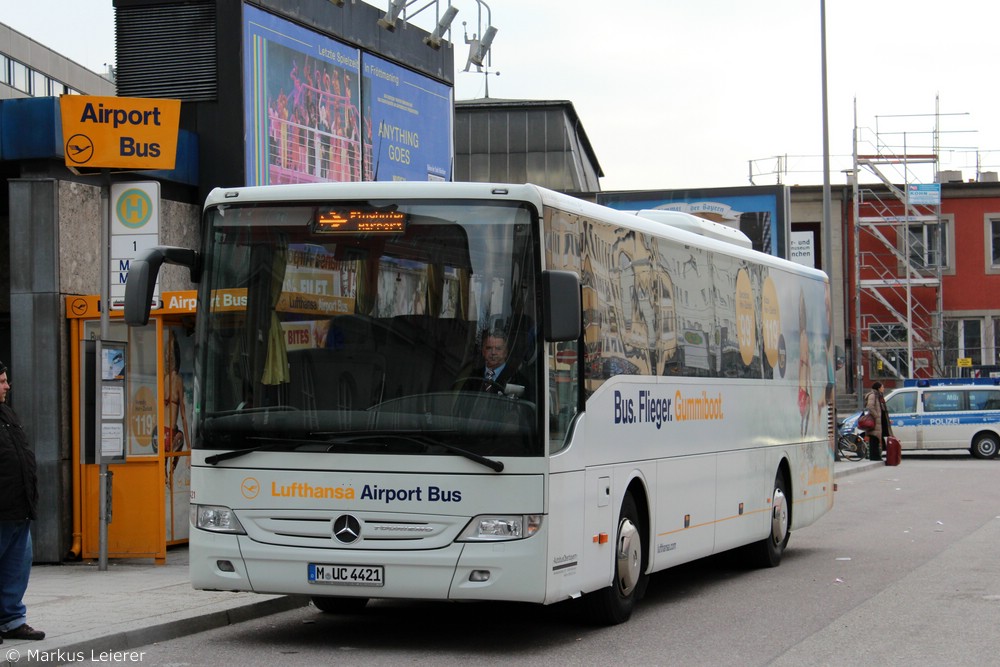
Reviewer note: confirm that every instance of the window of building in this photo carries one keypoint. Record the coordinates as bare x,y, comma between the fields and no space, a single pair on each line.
19,76
4,69
993,243
887,333
927,245
890,363
963,339
39,84
995,357
889,357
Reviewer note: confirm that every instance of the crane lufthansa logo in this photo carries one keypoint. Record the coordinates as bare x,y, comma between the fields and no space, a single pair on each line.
79,149
250,487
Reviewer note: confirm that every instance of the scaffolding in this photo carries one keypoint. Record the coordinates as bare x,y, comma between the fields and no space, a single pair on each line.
900,246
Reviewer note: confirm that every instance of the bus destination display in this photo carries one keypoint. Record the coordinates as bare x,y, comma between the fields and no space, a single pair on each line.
352,221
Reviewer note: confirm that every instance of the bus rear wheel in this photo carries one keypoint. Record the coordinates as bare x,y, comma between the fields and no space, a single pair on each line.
614,604
333,605
767,552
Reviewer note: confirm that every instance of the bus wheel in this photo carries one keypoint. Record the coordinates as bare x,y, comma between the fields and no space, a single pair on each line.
614,604
767,552
329,605
985,446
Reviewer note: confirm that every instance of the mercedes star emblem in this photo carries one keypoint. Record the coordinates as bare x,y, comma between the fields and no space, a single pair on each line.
347,529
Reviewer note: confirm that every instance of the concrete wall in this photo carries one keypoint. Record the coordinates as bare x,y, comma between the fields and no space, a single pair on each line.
55,249
80,228
38,369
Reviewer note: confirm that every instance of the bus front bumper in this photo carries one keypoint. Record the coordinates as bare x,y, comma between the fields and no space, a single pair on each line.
511,570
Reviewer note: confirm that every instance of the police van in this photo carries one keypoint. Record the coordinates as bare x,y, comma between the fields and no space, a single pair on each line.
944,414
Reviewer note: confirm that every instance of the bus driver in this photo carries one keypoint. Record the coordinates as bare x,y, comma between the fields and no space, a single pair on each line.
494,371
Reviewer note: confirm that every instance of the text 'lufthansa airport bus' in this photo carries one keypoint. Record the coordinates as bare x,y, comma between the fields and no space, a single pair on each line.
461,391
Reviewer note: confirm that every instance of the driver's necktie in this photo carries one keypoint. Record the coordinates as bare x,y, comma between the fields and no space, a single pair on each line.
490,375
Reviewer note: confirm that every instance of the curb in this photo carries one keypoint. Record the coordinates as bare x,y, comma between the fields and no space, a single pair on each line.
124,641
855,469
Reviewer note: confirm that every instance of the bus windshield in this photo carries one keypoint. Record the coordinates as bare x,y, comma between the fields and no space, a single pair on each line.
371,327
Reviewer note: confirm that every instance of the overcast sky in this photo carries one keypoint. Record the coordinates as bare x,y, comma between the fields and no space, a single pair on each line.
686,93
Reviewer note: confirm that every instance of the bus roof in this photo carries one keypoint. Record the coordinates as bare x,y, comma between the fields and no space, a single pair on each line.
693,223
372,190
691,233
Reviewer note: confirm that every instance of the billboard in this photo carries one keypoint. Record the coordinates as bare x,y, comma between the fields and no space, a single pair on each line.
409,114
762,213
311,116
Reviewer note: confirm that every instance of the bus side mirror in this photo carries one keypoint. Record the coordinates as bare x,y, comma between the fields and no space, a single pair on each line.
142,273
563,317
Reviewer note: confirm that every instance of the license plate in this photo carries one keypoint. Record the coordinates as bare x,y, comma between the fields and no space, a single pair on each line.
348,575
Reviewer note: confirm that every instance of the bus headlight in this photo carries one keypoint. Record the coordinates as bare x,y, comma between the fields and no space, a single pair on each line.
216,518
501,527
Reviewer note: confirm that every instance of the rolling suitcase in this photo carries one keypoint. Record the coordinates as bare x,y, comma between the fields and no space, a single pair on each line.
893,451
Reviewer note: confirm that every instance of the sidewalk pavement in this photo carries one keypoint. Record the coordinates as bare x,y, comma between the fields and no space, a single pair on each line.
83,610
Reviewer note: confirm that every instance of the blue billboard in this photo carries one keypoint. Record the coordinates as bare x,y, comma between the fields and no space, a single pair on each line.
411,121
311,116
760,212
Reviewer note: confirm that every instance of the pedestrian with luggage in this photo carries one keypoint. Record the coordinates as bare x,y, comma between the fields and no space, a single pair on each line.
875,404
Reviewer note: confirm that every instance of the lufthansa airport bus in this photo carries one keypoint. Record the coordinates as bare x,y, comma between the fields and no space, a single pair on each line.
663,394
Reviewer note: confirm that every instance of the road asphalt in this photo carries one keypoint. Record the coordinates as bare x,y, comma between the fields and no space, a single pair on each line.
106,616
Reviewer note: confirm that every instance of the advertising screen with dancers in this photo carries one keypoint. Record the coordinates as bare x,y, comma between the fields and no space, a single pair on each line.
318,110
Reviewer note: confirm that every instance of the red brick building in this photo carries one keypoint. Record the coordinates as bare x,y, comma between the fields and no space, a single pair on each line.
923,281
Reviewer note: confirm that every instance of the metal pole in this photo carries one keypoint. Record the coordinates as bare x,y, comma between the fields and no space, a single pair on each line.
906,264
827,216
103,478
938,321
858,352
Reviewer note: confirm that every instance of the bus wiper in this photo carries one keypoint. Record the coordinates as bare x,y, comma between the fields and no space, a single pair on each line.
291,443
492,464
282,444
420,438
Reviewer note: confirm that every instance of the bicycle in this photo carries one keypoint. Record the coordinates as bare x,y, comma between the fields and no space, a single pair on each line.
852,447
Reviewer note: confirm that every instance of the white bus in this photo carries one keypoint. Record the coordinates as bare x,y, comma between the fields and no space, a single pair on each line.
663,396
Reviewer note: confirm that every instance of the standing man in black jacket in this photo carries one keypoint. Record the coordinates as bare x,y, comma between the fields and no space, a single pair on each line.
18,505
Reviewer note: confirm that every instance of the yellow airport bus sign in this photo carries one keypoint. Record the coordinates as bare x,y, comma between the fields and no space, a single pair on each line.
119,132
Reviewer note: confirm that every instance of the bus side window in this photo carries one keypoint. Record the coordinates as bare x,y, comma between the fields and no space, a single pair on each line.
563,387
